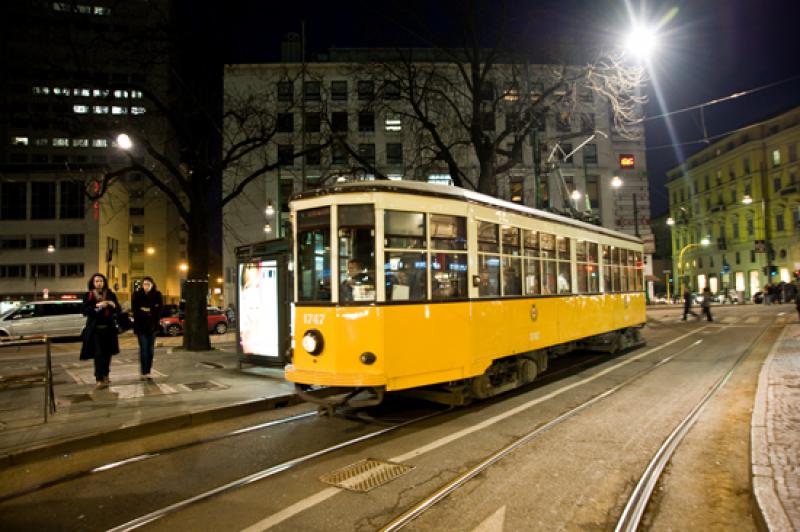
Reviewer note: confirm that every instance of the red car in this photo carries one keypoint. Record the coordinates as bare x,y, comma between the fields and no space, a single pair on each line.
217,323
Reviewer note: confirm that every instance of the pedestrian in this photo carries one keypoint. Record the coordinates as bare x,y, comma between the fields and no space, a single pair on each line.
687,305
147,305
100,342
706,304
230,313
768,293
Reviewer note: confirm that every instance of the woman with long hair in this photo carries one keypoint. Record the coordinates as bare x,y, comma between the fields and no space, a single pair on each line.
147,305
100,342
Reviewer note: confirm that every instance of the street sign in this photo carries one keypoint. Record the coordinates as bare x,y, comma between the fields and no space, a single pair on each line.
726,268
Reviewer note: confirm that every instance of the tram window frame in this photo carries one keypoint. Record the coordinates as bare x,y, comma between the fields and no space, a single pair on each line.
356,223
403,246
586,267
564,265
547,252
606,259
315,222
489,262
448,256
510,260
532,264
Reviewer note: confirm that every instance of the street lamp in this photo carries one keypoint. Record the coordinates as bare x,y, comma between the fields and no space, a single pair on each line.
616,182
680,269
641,41
670,221
124,141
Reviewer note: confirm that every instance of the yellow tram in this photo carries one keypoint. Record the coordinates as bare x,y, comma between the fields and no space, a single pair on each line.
401,285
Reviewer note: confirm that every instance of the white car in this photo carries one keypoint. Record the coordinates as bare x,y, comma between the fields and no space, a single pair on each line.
53,318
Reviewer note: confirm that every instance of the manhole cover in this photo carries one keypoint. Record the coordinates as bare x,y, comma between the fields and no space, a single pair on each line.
202,385
74,398
365,475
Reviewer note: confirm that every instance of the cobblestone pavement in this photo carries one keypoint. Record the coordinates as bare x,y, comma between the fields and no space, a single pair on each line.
776,434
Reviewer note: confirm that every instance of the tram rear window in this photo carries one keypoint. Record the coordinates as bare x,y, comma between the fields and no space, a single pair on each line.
314,255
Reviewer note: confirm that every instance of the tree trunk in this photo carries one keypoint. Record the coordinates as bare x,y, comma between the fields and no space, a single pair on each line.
195,334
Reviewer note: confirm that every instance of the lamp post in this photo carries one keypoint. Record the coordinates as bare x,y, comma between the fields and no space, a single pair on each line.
748,200
680,269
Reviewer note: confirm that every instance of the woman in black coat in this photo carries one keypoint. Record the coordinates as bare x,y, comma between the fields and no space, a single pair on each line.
147,305
100,306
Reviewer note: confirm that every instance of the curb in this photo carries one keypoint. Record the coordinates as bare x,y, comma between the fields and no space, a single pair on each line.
148,428
768,511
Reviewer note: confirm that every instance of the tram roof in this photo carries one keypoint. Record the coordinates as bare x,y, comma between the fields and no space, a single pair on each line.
451,192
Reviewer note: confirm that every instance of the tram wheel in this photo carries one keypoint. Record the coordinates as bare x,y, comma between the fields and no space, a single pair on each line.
481,387
528,369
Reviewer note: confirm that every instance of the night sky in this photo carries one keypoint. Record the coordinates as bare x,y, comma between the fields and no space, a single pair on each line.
710,49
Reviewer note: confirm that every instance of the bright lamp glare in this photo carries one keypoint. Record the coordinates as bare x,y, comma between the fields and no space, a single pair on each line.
641,42
576,195
124,141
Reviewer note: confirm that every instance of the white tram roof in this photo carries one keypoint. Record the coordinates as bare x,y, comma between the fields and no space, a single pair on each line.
446,191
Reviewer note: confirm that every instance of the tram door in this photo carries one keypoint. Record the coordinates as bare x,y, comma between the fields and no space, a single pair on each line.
263,309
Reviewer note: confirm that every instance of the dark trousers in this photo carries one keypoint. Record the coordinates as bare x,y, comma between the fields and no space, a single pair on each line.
687,309
102,360
147,342
707,313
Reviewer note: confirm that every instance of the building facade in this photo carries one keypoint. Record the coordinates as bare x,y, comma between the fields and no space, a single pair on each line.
735,208
66,93
338,95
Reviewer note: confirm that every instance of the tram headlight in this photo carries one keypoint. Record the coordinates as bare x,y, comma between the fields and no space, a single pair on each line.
312,342
368,358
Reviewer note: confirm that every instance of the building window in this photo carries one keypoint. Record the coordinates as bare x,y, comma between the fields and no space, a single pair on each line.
339,91
779,224
733,196
776,157
71,200
750,227
338,154
311,91
137,230
367,152
12,271
752,255
776,183
590,154
393,124
339,122
587,122
100,109
366,90
286,154
313,122
565,150
394,153
366,121
738,258
13,242
314,155
60,142
80,109
75,240
285,91
80,143
71,270
746,165
39,271
285,122
43,200
748,189
136,211
13,201
99,143
792,152
391,91
487,91
735,228
562,122
593,190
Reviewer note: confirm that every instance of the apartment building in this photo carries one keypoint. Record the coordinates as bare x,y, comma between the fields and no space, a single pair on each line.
735,209
67,91
341,95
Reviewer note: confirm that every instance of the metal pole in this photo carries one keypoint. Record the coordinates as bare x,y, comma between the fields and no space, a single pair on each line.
537,158
303,107
635,216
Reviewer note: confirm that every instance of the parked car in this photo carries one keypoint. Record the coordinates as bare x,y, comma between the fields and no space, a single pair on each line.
53,318
173,325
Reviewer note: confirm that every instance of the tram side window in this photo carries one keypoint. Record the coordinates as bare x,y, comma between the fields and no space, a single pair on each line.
530,242
564,266
607,269
639,271
313,255
587,271
448,270
356,230
405,261
488,259
620,277
549,266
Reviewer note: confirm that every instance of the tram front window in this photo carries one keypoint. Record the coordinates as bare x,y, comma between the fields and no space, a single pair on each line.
356,230
314,255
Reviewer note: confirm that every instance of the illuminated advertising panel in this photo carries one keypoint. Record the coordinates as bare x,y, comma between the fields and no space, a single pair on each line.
258,308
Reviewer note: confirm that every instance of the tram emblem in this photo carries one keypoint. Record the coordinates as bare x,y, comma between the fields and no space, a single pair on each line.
534,313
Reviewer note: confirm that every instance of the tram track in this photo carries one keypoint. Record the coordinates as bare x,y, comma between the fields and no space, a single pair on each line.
637,503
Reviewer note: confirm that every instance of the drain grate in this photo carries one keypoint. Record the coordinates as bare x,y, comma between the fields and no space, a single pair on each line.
202,385
365,475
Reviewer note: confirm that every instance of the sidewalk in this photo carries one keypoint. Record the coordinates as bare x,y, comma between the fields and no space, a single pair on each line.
775,435
189,388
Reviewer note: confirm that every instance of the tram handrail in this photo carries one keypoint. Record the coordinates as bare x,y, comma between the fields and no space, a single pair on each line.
47,375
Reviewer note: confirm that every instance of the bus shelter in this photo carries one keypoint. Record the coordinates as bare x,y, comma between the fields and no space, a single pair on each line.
263,298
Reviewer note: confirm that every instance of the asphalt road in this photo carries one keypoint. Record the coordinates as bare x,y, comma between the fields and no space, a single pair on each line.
576,475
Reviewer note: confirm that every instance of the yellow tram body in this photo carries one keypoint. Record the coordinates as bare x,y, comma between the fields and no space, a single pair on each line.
412,344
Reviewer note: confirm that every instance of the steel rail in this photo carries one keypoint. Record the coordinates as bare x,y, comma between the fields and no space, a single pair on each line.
640,497
418,509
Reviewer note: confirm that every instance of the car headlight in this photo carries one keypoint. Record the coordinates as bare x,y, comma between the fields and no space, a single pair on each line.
312,342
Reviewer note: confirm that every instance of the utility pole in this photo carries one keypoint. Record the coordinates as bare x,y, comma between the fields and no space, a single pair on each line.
537,156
